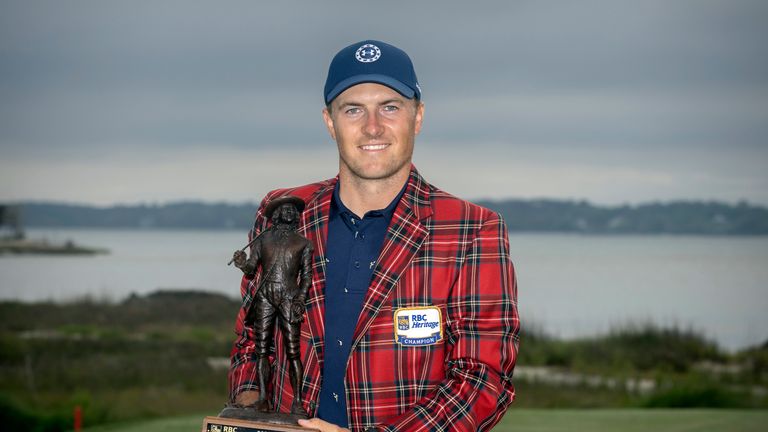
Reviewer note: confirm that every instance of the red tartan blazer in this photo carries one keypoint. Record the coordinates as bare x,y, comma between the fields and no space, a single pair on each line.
438,251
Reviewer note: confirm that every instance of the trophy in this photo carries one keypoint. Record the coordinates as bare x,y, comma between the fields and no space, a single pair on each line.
284,258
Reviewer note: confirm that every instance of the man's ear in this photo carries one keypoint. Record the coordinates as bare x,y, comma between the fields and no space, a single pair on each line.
419,117
328,119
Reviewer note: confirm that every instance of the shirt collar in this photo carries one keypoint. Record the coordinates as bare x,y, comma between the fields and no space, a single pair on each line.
338,207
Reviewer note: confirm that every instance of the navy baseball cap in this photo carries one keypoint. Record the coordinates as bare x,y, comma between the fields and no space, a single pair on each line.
371,61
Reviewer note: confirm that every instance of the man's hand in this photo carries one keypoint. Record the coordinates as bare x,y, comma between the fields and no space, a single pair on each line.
247,398
239,259
298,309
322,426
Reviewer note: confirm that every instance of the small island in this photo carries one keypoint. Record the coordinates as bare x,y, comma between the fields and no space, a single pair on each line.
13,240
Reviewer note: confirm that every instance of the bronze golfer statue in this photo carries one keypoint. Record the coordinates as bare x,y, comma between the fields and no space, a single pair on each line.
284,259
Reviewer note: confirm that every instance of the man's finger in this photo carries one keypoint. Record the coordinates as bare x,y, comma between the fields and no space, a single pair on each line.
322,426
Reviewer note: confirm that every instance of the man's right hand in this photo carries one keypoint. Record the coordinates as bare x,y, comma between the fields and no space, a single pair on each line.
239,258
247,398
322,426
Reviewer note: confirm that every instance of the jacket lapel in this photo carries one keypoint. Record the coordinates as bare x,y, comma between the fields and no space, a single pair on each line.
404,238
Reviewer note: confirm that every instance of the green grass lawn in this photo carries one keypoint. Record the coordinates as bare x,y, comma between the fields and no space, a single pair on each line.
630,420
541,420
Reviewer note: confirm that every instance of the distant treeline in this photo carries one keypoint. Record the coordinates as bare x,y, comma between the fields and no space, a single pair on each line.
680,217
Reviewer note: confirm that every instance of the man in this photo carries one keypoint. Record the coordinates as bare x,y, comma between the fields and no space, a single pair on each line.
411,319
284,257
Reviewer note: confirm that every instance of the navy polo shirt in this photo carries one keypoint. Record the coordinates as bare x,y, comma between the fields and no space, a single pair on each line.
353,247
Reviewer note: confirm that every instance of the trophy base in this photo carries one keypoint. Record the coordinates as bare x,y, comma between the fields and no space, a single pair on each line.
222,424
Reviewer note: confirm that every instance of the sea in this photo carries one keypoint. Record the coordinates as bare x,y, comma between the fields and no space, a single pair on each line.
569,285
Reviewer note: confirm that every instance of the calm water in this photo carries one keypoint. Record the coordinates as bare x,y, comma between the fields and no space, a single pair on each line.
569,285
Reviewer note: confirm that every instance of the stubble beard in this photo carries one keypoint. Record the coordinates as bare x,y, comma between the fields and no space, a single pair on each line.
383,172
362,174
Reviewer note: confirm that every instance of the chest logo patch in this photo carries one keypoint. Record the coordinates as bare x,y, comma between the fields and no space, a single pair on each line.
418,326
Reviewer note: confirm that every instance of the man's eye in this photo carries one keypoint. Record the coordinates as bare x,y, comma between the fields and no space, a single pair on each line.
391,108
352,111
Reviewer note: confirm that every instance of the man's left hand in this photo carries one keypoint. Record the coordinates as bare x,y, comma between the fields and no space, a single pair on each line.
297,310
322,426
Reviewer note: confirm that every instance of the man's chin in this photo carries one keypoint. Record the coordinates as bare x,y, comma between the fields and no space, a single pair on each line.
376,173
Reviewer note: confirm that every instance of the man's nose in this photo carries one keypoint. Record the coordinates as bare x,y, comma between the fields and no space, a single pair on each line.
372,125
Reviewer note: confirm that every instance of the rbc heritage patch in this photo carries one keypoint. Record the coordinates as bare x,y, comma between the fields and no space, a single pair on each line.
418,326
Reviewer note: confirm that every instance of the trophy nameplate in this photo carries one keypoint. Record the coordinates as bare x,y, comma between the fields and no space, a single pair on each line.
221,424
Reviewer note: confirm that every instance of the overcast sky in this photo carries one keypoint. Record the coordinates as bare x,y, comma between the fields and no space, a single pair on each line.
611,101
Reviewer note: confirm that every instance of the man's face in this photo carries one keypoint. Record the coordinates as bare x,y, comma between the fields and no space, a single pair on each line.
374,128
288,213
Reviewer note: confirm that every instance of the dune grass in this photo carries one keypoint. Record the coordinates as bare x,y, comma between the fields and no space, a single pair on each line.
164,356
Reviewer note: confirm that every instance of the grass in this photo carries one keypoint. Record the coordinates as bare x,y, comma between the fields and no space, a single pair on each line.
630,420
174,424
157,357
537,420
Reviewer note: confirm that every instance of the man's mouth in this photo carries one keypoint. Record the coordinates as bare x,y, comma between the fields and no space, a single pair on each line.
374,147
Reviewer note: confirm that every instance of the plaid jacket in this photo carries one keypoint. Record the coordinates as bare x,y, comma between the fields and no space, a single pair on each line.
438,251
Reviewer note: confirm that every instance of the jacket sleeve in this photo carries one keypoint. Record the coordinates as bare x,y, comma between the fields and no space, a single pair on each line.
306,269
242,371
253,261
482,327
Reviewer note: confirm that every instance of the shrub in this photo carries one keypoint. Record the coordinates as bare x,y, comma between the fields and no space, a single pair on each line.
693,396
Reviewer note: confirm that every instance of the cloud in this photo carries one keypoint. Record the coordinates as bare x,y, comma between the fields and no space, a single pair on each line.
673,92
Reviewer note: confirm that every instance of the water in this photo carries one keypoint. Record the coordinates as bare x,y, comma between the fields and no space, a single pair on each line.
569,285
579,285
140,261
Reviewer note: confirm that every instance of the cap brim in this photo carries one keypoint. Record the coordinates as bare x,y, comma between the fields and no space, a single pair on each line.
371,78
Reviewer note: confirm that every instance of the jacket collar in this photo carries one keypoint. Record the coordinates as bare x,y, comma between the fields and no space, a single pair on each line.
416,197
404,237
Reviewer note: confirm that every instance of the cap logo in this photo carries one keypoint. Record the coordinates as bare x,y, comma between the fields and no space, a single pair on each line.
368,53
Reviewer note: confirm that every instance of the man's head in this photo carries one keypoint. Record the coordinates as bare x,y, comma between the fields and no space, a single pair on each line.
284,210
373,110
